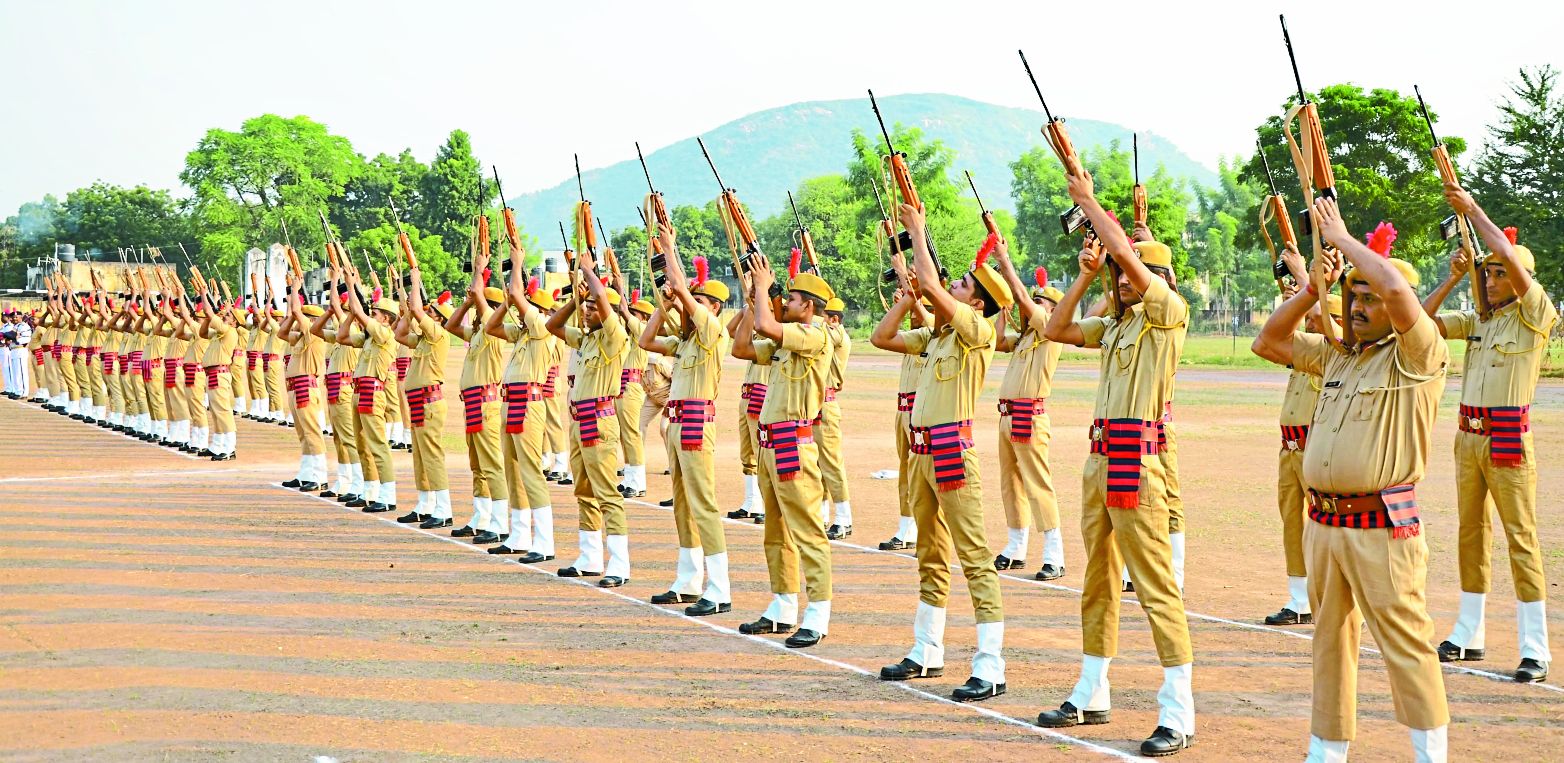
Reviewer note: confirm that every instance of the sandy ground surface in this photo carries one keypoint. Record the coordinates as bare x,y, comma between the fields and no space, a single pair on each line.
157,607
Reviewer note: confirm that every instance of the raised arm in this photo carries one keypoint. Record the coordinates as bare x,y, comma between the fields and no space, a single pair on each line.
1497,242
1387,282
1460,263
1062,326
887,335
1110,234
761,279
1275,340
924,267
744,331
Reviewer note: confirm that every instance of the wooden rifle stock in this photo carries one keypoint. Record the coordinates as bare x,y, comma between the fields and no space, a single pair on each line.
1138,202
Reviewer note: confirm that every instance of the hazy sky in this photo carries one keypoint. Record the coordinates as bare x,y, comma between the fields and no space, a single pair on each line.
120,91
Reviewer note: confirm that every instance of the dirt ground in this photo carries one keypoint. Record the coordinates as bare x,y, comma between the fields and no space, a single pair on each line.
158,607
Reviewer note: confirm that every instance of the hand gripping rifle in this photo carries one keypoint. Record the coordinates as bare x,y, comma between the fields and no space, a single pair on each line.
1311,157
892,274
653,209
1274,206
741,235
1456,225
801,237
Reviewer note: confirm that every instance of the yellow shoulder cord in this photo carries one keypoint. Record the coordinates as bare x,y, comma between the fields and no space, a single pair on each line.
962,366
1146,326
1540,332
1314,382
1418,380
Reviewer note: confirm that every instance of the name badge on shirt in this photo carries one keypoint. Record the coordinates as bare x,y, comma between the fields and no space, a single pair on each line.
1333,384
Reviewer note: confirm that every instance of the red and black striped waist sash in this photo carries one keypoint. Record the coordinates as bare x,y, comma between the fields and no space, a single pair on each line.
192,370
402,364
691,416
628,376
301,386
419,398
170,373
473,399
38,353
754,395
267,359
784,437
1504,424
1124,441
586,414
1295,436
518,395
367,386
251,359
905,401
212,374
830,394
1022,411
335,381
147,365
548,381
1394,507
946,443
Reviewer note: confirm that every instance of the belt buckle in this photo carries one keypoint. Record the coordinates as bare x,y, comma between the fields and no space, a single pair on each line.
920,438
1474,422
1325,503
1096,433
1292,444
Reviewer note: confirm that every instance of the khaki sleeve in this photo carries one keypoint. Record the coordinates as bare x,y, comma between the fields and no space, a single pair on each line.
1458,324
1093,329
379,334
1039,322
764,349
615,336
973,329
1422,350
536,326
573,337
512,332
669,344
1163,305
916,340
1309,353
1537,310
431,329
808,341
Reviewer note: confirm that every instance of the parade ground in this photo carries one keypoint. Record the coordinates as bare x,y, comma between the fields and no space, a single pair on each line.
154,606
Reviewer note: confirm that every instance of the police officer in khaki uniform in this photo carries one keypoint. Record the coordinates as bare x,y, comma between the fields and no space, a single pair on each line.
1495,460
373,375
1368,448
556,396
1124,512
526,421
601,346
250,377
1025,477
752,397
697,350
833,468
483,368
421,329
195,381
632,396
1292,495
341,403
906,396
796,352
218,324
306,363
943,480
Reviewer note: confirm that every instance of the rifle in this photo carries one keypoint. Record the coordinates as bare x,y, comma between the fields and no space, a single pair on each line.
586,237
1275,206
1312,159
608,253
401,235
1138,193
657,261
1058,139
902,176
741,235
802,238
1456,225
988,217
511,232
576,286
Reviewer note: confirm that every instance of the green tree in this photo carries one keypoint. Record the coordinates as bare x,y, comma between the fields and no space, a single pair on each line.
364,201
1381,156
107,217
379,244
29,234
1223,246
452,192
1519,175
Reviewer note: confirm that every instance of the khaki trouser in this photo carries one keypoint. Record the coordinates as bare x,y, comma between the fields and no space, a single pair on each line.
1292,500
903,463
558,408
747,446
90,378
953,518
116,390
344,426
306,420
597,480
1026,482
176,400
485,452
526,448
374,450
1480,487
828,436
695,512
1137,538
1369,574
153,390
1169,458
429,451
220,402
628,410
513,490
275,389
136,392
251,382
69,377
793,532
396,402
653,420
195,402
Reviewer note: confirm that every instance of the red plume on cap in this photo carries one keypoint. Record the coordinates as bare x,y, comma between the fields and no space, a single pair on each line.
445,297
603,280
1382,238
985,250
702,270
532,284
487,273
635,296
1512,233
375,296
556,294
794,260
1041,274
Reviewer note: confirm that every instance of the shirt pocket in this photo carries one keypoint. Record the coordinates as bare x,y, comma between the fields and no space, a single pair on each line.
1370,394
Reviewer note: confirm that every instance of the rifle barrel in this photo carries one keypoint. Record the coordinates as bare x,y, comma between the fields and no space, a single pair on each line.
709,163
975,195
642,213
580,189
1039,90
1135,152
877,200
1426,119
644,170
1287,38
887,133
563,237
497,187
796,218
1267,164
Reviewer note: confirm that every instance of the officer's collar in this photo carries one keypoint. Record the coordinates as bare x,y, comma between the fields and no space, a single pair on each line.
1492,309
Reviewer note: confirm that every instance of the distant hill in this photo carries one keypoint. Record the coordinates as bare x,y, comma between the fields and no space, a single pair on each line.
768,153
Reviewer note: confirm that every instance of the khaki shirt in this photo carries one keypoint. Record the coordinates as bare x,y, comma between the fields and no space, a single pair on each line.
308,356
1298,402
755,373
698,358
534,351
427,368
1503,354
841,349
958,356
600,356
1030,374
913,362
195,348
1140,353
635,357
223,338
485,360
796,371
377,353
1375,419
341,358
